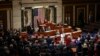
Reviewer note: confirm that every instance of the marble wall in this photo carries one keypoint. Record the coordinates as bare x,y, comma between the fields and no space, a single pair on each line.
18,5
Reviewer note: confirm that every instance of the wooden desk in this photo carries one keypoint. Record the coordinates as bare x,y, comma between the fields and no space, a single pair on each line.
66,30
50,33
76,34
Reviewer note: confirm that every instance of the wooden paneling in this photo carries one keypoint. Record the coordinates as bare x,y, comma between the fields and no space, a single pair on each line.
78,9
87,6
3,18
68,10
79,1
4,6
92,10
98,12
7,4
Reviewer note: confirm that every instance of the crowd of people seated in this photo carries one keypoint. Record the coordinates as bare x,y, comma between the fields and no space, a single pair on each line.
11,44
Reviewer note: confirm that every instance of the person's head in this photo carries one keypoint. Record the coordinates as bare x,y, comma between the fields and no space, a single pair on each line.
1,38
11,45
23,29
27,49
7,51
36,41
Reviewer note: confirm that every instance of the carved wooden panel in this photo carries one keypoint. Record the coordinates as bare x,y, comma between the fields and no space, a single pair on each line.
79,1
98,12
80,9
7,4
92,11
3,18
68,13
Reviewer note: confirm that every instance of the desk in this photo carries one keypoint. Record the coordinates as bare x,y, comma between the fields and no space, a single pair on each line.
76,34
50,33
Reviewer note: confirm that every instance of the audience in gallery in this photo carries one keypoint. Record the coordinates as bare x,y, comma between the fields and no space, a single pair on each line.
11,45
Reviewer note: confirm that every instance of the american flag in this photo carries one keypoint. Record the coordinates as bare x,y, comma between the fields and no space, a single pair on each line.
39,16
